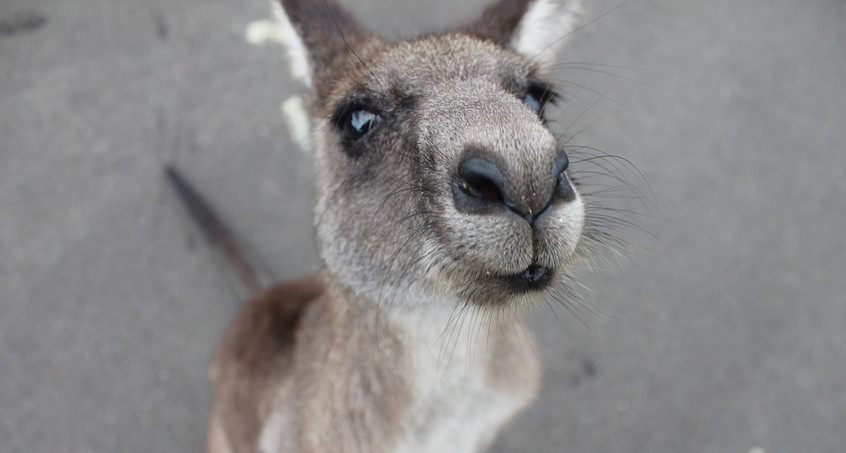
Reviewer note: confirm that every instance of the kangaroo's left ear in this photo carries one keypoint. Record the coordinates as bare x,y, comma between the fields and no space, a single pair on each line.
534,28
319,36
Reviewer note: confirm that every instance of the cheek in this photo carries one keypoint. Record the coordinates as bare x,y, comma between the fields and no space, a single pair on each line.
488,243
364,241
559,232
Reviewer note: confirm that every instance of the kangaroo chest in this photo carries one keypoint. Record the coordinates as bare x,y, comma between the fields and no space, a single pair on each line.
464,388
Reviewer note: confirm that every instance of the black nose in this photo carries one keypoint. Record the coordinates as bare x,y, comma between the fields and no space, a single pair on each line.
481,188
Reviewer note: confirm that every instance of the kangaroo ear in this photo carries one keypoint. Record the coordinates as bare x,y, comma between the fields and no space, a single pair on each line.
317,35
534,28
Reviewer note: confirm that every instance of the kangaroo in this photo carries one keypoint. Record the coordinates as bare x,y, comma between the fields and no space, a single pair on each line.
445,209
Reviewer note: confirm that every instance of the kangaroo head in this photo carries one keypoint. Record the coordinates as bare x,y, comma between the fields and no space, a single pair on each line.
437,174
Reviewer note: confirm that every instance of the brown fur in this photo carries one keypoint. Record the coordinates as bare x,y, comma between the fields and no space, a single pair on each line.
498,21
286,345
323,37
256,352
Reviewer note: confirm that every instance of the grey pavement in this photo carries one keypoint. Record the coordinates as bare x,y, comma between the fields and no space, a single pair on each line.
723,330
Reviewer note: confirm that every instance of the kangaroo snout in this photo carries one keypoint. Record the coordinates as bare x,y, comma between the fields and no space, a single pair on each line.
494,144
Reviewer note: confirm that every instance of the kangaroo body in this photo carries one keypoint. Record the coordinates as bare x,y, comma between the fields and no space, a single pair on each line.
444,209
405,384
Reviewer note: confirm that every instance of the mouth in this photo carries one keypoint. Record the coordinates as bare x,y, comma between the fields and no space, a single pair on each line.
534,278
501,289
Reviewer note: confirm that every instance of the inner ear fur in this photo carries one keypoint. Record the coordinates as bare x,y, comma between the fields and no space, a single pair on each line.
534,28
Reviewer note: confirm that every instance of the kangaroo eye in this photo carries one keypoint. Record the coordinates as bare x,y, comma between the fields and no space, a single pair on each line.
533,102
358,123
538,96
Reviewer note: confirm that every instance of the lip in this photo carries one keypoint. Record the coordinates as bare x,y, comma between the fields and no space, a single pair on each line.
533,278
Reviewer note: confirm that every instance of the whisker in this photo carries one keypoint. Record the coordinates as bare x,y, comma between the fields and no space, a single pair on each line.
600,94
582,26
605,73
344,38
566,64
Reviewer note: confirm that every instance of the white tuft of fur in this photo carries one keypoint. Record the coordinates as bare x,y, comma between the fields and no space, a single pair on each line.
272,434
298,56
545,28
297,119
263,32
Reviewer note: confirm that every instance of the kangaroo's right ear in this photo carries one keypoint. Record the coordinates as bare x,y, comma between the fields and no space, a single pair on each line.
318,35
534,28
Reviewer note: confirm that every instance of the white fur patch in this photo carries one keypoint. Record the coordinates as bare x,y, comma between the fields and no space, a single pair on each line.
455,408
298,56
297,119
271,434
263,32
545,28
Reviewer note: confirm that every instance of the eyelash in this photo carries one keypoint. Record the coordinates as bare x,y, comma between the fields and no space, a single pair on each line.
543,95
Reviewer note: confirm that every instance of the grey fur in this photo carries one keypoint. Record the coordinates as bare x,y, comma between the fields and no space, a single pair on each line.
345,362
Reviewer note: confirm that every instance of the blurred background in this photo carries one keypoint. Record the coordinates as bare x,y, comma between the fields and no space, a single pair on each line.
724,329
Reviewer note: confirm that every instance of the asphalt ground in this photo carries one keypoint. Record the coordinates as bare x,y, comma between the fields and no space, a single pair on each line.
723,330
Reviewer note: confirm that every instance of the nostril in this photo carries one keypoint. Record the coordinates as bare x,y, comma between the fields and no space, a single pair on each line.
482,180
561,163
563,189
482,188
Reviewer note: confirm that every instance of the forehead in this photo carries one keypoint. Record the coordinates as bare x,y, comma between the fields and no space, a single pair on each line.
414,68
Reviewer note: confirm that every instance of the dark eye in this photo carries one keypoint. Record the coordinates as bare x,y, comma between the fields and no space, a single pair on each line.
357,123
538,96
533,102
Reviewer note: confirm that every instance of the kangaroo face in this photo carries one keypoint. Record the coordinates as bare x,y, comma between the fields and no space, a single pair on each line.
437,172
437,169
